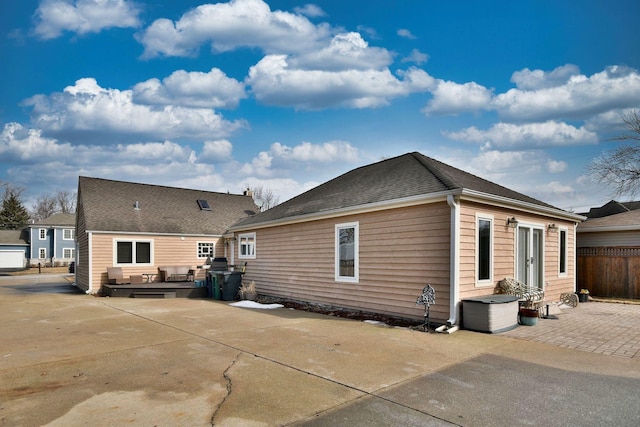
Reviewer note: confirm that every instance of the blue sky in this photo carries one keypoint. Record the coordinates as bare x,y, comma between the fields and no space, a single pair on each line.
289,94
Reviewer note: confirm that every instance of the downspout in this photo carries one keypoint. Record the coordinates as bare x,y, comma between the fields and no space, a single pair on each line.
454,260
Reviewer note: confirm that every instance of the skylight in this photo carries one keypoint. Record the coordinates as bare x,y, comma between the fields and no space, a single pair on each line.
204,205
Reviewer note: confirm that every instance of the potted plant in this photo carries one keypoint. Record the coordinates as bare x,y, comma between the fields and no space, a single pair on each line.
583,296
528,316
248,291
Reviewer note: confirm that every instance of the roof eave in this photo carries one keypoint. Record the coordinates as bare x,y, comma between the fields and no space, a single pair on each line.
351,210
509,203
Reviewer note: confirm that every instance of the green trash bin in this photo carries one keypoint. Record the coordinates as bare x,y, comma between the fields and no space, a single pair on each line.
215,279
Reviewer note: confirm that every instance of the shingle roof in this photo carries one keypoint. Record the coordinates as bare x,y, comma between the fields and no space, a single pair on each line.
629,219
411,174
61,219
110,206
14,237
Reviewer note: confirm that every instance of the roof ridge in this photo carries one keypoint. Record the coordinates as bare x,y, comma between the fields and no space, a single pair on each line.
158,186
431,165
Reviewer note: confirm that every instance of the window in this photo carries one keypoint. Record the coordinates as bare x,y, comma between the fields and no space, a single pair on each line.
347,252
133,252
68,253
484,249
247,245
563,251
68,234
206,249
43,234
42,253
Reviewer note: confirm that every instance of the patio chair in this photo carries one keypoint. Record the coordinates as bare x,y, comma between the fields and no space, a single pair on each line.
115,276
528,296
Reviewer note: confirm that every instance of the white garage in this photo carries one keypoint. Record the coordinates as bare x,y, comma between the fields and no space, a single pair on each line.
11,259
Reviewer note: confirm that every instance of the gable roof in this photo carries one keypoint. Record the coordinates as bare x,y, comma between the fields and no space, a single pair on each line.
624,221
59,219
407,176
110,206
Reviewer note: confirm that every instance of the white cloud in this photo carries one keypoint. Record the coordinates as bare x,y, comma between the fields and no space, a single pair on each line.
216,150
453,98
403,32
281,159
346,51
580,97
109,113
83,16
509,136
274,82
191,89
417,57
21,145
227,26
554,166
310,10
538,79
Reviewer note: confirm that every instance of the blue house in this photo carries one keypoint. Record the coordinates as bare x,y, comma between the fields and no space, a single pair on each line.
52,241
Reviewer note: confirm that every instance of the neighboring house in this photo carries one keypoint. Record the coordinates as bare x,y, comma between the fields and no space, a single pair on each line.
52,241
609,250
372,238
14,249
141,227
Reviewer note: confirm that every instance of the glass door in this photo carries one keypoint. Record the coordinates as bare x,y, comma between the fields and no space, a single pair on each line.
529,256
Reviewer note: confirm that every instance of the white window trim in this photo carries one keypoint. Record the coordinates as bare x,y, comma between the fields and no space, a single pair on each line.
72,231
73,253
42,251
566,251
213,249
356,253
133,255
42,234
489,281
255,245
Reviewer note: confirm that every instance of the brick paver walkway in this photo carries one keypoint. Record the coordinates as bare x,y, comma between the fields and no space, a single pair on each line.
598,327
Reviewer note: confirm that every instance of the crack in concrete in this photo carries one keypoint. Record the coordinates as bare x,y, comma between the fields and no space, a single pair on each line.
229,386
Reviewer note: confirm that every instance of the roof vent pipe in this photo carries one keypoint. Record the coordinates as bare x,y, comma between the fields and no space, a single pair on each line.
136,206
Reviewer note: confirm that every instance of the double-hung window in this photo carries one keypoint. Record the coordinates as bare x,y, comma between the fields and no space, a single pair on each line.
562,248
484,250
42,253
247,246
68,234
69,253
43,234
347,252
133,252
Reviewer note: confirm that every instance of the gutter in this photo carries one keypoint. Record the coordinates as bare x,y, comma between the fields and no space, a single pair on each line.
454,261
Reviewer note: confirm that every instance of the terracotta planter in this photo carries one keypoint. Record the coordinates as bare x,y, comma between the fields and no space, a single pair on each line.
528,317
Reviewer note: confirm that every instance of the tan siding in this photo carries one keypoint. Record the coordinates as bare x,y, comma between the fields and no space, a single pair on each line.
504,251
401,250
167,250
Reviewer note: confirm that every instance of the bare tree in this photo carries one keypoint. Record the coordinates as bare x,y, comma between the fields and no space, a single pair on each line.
264,197
66,201
621,167
44,207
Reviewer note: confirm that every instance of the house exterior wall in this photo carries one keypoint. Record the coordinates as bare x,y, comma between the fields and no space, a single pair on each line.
82,250
167,250
504,250
400,251
53,244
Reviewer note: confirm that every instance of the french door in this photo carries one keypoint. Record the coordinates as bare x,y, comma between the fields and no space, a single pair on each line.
530,256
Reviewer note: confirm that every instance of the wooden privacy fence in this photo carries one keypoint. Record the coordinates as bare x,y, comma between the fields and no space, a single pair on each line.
610,271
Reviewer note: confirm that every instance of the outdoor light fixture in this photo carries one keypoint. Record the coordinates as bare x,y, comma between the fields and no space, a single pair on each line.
512,222
552,227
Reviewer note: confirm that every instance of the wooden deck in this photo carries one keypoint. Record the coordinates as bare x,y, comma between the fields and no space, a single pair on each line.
156,290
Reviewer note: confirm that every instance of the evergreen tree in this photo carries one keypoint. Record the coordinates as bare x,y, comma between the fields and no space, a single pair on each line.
13,215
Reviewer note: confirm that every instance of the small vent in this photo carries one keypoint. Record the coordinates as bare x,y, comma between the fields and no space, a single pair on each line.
204,205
